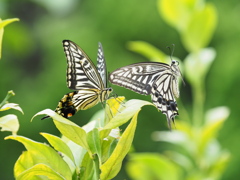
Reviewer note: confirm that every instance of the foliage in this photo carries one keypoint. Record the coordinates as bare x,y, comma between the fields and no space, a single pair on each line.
4,23
89,152
9,122
196,149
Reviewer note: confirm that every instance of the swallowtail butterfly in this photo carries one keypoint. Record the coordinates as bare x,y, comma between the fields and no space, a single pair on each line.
159,80
90,84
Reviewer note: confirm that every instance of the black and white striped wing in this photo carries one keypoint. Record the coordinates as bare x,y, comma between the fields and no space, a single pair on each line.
162,95
138,77
101,65
81,72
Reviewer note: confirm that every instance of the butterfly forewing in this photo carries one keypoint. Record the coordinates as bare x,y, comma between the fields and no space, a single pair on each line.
81,72
101,64
138,77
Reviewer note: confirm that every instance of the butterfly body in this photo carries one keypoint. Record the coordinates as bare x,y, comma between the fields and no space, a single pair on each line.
159,80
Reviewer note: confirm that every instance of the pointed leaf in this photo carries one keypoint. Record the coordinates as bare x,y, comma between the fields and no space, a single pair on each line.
59,145
200,28
11,106
93,140
41,153
215,119
87,170
40,170
112,166
69,129
5,22
197,65
144,166
9,123
148,50
2,25
129,109
177,13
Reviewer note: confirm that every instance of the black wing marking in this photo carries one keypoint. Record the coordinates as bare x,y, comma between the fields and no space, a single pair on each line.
138,77
163,97
101,64
81,72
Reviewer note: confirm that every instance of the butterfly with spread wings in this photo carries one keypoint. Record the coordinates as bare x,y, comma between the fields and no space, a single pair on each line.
159,80
90,84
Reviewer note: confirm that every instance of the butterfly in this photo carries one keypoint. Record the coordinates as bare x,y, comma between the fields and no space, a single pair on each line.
159,80
89,84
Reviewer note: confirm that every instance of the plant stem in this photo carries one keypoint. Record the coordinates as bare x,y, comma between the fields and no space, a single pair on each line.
96,166
198,102
9,94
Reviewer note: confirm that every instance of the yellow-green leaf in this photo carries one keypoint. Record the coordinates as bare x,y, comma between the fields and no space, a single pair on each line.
200,29
145,166
3,23
59,145
9,123
11,106
86,169
127,111
69,129
93,140
112,166
177,13
40,170
42,153
148,50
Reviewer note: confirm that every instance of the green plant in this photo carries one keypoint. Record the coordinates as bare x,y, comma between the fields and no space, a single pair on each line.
95,151
195,148
9,122
4,23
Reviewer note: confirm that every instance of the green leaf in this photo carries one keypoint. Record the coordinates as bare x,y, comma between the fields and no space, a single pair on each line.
112,166
5,22
177,13
125,113
40,170
214,121
59,145
11,106
200,29
2,25
69,129
93,140
197,65
144,166
41,154
108,138
9,123
87,170
148,50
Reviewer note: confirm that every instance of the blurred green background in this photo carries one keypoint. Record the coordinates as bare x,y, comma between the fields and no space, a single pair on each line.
33,65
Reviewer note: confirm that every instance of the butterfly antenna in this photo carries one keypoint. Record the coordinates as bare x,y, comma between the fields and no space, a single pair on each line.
171,51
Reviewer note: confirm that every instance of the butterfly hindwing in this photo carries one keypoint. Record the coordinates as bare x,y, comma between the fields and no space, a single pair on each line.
163,97
101,64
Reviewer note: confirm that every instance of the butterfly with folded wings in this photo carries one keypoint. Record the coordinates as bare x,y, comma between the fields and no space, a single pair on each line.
89,83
